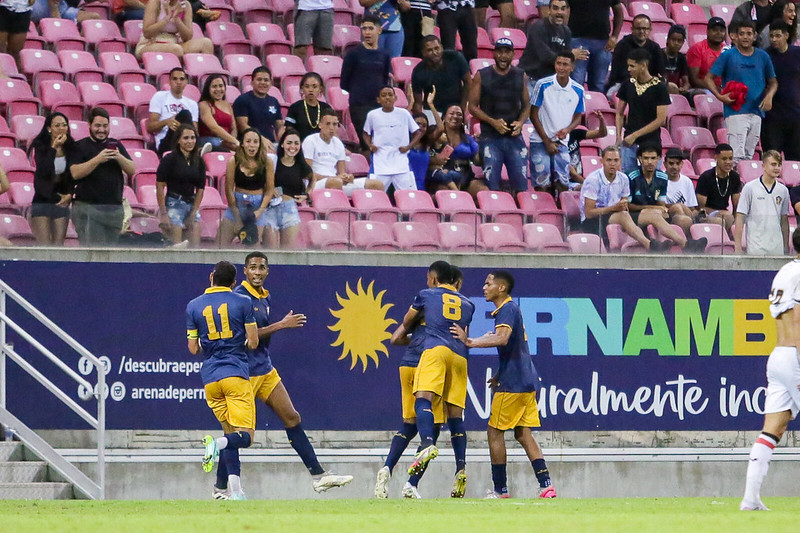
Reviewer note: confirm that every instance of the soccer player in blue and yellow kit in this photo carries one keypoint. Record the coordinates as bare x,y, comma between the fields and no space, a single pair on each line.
442,372
221,326
264,378
414,339
515,384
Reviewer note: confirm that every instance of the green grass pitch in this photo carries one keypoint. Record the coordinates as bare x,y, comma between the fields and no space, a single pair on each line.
695,515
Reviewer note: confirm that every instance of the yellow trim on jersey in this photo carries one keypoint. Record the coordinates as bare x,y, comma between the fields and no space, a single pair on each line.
248,323
212,290
192,334
448,286
501,305
263,293
503,326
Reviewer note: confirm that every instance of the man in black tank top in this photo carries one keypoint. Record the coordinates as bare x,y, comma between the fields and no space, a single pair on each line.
499,99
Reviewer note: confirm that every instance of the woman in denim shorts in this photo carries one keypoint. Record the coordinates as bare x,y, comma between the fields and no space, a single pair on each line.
180,183
249,184
292,178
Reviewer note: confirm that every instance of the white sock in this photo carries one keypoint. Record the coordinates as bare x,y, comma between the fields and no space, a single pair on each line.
760,455
222,442
234,483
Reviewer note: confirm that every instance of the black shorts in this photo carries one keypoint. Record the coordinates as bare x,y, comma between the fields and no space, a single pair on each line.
494,3
12,22
49,210
596,226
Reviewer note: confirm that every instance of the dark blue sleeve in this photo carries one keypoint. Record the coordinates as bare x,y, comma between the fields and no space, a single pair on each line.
419,302
505,317
240,106
347,66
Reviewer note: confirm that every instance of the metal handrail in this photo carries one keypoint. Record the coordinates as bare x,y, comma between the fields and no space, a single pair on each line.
6,350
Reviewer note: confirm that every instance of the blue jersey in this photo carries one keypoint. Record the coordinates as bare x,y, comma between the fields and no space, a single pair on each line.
444,306
416,346
259,360
516,372
217,318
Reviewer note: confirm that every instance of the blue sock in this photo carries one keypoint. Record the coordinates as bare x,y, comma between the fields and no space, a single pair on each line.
222,471
499,479
240,439
458,437
424,411
299,441
232,464
399,444
414,479
542,473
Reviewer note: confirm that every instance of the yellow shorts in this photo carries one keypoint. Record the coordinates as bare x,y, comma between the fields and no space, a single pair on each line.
514,409
264,385
443,372
407,396
232,401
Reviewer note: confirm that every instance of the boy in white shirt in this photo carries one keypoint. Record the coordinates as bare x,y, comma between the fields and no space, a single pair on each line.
166,108
681,198
387,133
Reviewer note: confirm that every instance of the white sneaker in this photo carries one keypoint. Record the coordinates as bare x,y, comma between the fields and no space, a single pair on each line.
329,480
238,496
205,149
382,483
221,494
758,506
492,495
411,492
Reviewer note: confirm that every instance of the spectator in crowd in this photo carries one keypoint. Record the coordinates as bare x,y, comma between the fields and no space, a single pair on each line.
702,54
638,39
785,11
764,207
169,109
180,183
458,16
389,133
648,200
577,135
718,187
453,155
499,99
592,31
325,154
202,14
675,67
508,19
313,23
387,15
217,125
167,27
98,164
61,9
646,98
752,68
446,70
604,200
52,183
419,157
293,176
779,130
417,22
4,187
249,184
547,37
759,12
258,109
557,106
681,198
127,10
306,115
365,70
15,19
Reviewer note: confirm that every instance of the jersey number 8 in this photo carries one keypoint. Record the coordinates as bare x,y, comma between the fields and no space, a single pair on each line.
213,334
451,309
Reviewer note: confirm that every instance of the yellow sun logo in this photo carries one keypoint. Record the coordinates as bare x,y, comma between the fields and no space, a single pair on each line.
362,325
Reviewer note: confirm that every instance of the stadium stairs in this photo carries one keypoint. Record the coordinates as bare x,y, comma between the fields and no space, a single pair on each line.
23,476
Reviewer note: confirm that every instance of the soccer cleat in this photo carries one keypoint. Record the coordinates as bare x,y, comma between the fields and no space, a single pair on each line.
492,495
221,494
422,459
211,453
410,492
547,492
382,483
238,496
329,480
459,485
747,506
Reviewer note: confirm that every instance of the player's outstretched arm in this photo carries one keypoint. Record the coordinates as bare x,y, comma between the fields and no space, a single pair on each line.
290,321
400,337
410,319
499,337
194,346
252,336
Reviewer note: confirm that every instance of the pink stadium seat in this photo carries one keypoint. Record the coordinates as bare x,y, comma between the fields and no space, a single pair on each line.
343,12
285,67
721,135
62,96
749,170
544,238
228,38
345,37
698,142
198,66
723,11
103,95
666,140
703,164
339,99
329,67
590,163
40,65
585,243
415,236
145,225
595,101
104,36
123,128
710,111
26,127
402,68
333,204
499,206
485,46
653,10
357,165
680,113
417,206
375,205
240,65
687,14
327,235
478,63
250,11
136,97
62,34
269,38
500,238
9,66
459,207
619,241
216,163
158,63
122,67
148,201
284,11
16,229
541,207
21,194
791,173
130,195
7,138
80,66
718,240
133,32
458,237
79,129
571,204
526,11
609,139
373,235
7,207
517,37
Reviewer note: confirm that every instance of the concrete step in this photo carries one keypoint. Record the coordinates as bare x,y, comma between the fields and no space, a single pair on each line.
36,491
11,451
23,471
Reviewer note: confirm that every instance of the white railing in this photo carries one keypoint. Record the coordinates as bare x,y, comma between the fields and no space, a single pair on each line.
92,489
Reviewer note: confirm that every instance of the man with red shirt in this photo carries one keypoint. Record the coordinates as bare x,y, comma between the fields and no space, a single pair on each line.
702,54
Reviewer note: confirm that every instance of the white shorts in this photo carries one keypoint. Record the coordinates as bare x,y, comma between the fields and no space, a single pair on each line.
783,377
404,180
358,183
